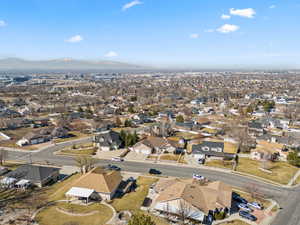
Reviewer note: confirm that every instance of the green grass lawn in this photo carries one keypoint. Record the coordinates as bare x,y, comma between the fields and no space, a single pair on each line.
134,200
282,172
50,216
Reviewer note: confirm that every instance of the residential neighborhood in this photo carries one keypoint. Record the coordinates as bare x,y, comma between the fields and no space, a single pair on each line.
150,150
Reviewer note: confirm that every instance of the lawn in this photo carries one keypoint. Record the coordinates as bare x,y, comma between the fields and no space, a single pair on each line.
173,157
157,220
249,198
79,151
186,135
74,136
134,200
282,172
219,164
50,215
58,190
235,222
16,135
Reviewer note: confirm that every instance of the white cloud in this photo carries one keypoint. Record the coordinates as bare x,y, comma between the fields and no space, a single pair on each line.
272,7
194,36
209,31
225,17
247,13
3,23
75,39
111,54
131,4
228,28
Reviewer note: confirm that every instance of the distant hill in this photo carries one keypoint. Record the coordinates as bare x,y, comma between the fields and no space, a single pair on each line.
64,64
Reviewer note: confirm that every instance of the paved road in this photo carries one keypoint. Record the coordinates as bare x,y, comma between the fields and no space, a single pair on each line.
289,199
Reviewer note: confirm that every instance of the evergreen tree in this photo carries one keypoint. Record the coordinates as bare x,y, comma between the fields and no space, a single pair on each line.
141,219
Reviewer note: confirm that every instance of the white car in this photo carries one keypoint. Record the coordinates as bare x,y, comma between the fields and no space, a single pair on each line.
198,177
244,207
117,159
255,205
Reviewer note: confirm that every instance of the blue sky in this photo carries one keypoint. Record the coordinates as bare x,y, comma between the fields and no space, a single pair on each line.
169,33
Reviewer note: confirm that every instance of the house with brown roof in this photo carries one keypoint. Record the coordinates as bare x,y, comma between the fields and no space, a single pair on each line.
104,182
196,199
153,144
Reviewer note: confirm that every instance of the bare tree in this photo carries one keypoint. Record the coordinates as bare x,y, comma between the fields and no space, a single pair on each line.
184,211
3,156
85,163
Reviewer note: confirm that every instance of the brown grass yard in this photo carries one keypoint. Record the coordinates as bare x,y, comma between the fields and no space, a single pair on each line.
79,151
282,172
218,164
58,190
16,135
235,222
248,197
50,216
75,135
173,157
134,200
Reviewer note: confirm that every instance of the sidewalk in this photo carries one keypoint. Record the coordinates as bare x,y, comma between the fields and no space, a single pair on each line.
294,179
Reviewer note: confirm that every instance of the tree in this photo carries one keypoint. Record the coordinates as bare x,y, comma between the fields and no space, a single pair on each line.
131,109
184,210
135,138
128,123
293,158
85,163
141,219
123,135
179,119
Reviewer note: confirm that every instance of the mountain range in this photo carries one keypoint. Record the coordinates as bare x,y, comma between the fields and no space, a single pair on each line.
64,64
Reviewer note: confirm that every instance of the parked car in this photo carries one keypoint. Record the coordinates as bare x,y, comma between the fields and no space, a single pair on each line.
117,159
201,161
154,171
198,177
113,167
239,199
255,205
131,179
247,215
244,207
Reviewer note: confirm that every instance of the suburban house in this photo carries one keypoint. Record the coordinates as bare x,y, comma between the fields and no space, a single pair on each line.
214,148
43,135
197,201
103,182
33,174
108,140
268,151
155,145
